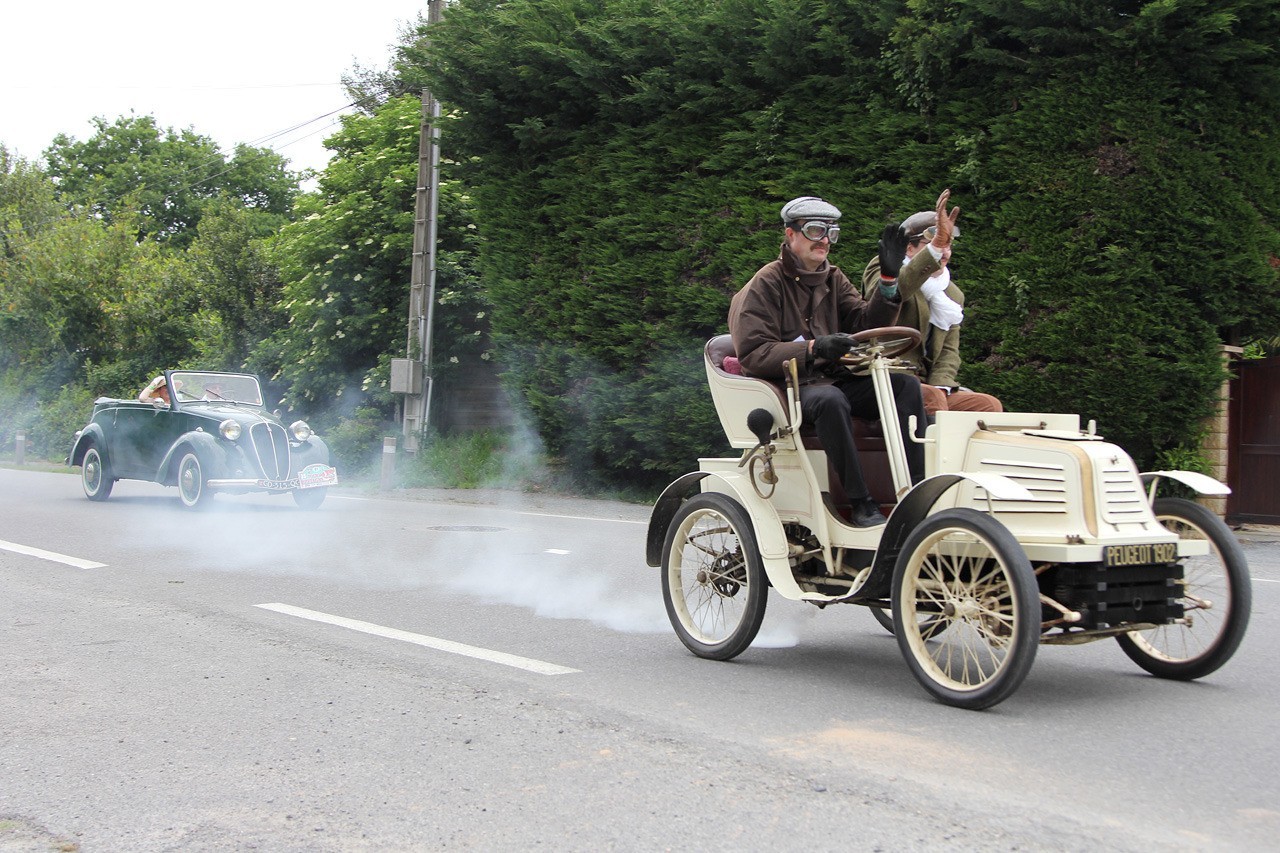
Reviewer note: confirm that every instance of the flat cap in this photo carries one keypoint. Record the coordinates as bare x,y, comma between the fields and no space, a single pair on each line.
809,207
915,224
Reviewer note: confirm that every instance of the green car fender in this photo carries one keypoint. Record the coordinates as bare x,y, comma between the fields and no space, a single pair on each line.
212,457
90,435
310,452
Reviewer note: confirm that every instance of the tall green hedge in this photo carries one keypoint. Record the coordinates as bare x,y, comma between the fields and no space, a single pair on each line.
1116,164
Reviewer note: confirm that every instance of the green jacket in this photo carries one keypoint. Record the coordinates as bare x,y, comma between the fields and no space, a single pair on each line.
937,358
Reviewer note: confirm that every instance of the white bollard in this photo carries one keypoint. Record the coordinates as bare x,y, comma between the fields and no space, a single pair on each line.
20,447
388,461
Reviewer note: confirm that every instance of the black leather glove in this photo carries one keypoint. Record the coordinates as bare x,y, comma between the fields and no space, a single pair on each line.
831,347
893,248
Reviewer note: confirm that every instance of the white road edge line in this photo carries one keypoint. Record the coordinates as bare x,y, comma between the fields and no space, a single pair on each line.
50,555
1266,580
529,664
576,517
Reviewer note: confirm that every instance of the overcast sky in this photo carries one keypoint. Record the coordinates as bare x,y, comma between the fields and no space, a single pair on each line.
233,70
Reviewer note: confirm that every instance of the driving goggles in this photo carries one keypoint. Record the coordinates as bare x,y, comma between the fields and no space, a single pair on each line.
816,229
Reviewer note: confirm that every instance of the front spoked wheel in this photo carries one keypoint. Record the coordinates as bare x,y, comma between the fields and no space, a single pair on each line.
1216,600
966,608
713,579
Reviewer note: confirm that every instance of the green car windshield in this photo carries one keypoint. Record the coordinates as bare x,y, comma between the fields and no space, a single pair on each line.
216,387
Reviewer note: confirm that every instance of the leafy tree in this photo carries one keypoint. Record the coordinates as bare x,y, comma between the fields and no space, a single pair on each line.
165,177
27,202
28,210
79,293
345,265
237,281
85,309
87,293
96,293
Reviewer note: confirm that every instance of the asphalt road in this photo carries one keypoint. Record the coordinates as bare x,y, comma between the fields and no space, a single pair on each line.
495,671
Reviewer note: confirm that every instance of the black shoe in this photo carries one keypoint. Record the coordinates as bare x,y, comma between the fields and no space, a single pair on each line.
866,513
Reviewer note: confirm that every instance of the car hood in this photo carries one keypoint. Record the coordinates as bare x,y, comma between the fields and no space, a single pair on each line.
220,411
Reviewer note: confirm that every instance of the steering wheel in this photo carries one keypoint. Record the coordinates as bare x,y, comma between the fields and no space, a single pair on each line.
887,342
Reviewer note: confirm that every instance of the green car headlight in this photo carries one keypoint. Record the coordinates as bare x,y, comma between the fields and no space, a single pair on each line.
230,429
300,430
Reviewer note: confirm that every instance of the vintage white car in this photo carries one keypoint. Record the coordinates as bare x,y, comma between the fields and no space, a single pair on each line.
1027,529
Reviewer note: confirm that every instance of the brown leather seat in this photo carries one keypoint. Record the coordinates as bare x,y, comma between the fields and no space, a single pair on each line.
868,437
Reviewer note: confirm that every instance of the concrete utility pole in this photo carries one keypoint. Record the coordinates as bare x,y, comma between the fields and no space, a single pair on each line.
412,376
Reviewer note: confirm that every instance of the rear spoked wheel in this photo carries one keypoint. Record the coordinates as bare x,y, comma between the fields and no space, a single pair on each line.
885,617
1216,600
713,580
966,608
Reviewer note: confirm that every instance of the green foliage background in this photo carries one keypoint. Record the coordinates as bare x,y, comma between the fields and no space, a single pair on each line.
1117,166
123,255
612,174
143,248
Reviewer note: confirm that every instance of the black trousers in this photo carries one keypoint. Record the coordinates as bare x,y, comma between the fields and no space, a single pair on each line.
829,407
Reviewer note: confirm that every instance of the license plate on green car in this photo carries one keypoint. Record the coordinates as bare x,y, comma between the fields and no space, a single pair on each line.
311,477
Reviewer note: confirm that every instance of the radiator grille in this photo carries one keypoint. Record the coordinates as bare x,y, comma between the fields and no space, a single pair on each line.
271,444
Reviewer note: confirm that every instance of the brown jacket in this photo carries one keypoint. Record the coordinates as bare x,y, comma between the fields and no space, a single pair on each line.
774,316
937,358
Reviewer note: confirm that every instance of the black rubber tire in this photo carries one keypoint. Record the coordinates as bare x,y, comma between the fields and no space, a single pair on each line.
884,617
966,608
713,580
95,475
1185,652
310,499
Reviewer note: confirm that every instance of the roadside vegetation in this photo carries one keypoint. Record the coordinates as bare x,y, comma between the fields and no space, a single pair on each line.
612,172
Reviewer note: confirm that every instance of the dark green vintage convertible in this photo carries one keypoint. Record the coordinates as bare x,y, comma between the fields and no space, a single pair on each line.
214,436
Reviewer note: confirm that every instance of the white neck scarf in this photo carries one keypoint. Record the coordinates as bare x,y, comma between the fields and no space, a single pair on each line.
944,312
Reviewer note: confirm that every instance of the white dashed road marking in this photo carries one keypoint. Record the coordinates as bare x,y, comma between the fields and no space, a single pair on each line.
528,664
50,555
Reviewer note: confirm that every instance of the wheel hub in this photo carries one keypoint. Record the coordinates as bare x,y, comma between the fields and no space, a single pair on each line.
719,578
